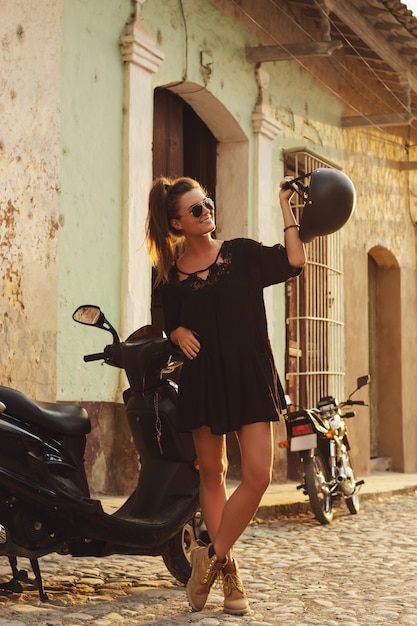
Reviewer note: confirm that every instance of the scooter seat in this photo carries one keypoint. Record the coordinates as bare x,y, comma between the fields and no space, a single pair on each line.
66,419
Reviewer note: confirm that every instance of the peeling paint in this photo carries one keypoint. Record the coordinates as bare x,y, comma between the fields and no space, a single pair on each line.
29,202
20,32
11,259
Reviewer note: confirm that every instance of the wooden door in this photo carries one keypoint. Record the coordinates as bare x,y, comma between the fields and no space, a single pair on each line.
182,146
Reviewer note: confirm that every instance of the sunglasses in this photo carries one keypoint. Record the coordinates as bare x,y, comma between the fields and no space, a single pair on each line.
197,209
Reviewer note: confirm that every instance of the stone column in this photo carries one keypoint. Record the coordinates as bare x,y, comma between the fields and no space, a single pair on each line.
142,59
265,129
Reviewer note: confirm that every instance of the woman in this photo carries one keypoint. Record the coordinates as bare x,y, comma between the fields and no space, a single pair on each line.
212,298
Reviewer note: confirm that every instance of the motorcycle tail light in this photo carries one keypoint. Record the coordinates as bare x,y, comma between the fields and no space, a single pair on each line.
302,429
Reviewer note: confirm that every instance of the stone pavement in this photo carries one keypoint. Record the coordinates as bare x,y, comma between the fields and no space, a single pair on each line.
360,570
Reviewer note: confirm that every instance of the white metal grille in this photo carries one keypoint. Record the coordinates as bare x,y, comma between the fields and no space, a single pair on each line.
315,320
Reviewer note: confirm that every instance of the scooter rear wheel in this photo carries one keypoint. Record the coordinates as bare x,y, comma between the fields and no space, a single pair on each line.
177,554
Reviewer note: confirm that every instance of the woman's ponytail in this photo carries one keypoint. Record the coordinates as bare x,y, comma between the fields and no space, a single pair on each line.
162,239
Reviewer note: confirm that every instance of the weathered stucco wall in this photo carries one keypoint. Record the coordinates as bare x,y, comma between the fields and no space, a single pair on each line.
90,242
382,215
356,353
409,368
30,109
383,227
61,213
111,461
60,161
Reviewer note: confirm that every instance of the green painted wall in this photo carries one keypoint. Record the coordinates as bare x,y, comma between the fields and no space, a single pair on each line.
90,205
308,112
203,28
90,234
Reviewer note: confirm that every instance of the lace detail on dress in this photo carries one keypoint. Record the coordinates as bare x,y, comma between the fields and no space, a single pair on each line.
214,272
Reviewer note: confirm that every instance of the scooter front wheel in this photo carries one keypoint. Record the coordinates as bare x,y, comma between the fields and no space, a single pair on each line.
177,554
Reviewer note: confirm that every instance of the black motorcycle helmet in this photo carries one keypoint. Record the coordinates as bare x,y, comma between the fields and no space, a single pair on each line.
329,203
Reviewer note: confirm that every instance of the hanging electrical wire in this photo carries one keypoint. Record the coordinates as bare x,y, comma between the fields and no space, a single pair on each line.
336,64
367,65
318,78
184,21
347,71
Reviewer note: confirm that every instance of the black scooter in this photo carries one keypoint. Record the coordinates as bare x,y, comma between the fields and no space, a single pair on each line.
45,502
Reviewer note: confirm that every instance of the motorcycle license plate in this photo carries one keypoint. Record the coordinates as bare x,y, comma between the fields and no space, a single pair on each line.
303,442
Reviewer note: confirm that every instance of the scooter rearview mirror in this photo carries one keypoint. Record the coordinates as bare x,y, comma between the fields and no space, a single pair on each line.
92,315
88,314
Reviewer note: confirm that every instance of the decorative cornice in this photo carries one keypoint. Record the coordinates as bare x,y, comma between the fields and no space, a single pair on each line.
265,124
139,48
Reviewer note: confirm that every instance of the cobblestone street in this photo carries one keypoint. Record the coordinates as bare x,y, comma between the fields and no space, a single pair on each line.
358,571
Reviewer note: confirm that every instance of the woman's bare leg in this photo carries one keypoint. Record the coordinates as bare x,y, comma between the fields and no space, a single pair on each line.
255,441
212,459
227,519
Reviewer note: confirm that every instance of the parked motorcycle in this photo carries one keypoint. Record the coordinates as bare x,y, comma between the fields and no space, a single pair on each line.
45,502
319,435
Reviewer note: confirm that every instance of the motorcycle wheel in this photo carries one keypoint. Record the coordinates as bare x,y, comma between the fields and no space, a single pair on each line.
177,553
317,477
352,502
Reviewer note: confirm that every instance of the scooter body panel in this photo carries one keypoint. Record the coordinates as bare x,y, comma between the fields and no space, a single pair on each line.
42,459
168,472
46,483
45,503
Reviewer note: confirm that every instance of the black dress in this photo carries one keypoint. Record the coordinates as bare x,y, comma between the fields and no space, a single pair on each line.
233,380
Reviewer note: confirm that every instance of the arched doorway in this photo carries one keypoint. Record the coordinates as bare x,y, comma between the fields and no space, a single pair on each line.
195,135
231,158
384,280
183,145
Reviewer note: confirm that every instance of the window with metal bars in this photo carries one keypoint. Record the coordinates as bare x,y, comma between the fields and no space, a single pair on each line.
314,309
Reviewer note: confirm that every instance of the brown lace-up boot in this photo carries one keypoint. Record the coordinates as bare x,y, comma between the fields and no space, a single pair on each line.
235,600
205,569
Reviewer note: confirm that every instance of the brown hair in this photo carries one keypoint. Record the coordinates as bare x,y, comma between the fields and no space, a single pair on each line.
163,240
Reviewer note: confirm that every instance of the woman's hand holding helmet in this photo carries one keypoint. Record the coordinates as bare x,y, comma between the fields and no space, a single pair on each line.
286,191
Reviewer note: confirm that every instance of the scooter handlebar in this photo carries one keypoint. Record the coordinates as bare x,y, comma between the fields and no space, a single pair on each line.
98,356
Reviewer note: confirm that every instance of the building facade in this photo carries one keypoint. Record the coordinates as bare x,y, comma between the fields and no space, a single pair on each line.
236,94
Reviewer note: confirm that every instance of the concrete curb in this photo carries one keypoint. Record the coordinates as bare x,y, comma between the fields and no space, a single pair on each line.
284,500
280,502
271,512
